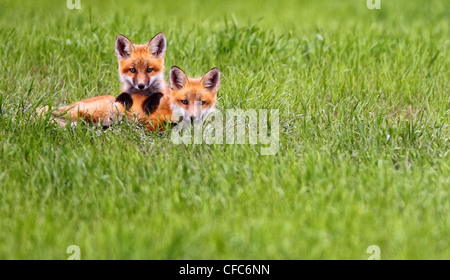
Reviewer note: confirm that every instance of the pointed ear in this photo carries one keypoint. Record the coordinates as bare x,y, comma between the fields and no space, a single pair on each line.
157,45
211,80
177,78
123,47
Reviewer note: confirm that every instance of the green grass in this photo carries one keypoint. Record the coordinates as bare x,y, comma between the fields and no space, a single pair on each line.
363,97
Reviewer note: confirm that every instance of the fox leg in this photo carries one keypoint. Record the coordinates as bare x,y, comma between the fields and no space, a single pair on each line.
160,116
100,109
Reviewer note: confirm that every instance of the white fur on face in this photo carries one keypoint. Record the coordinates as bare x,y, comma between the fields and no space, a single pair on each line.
126,80
178,111
156,81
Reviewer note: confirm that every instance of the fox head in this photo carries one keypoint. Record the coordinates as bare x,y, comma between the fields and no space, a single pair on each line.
191,98
141,67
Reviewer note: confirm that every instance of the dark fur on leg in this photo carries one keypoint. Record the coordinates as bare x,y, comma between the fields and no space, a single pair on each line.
125,99
151,104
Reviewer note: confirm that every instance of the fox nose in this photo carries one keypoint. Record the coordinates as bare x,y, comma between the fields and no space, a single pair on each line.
192,119
141,86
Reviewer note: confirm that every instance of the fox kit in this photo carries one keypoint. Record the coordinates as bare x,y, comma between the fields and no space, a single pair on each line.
145,97
141,67
192,99
141,71
188,99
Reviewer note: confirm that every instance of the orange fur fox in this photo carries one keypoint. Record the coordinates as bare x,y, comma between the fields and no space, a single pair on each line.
145,97
193,98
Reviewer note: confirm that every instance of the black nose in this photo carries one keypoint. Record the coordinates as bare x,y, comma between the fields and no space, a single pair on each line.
192,119
141,86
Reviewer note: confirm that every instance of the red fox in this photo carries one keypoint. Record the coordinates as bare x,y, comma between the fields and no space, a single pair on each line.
141,71
189,98
193,99
145,97
141,67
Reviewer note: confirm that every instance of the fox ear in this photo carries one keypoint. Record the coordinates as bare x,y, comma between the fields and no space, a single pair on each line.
157,45
123,47
177,78
211,80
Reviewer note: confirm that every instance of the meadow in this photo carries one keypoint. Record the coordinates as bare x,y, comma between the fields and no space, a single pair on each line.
363,158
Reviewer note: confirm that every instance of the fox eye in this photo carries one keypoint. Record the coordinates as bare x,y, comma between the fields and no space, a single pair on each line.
133,70
149,70
185,102
203,102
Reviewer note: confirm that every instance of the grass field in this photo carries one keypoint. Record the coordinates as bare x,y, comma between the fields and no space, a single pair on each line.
363,158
